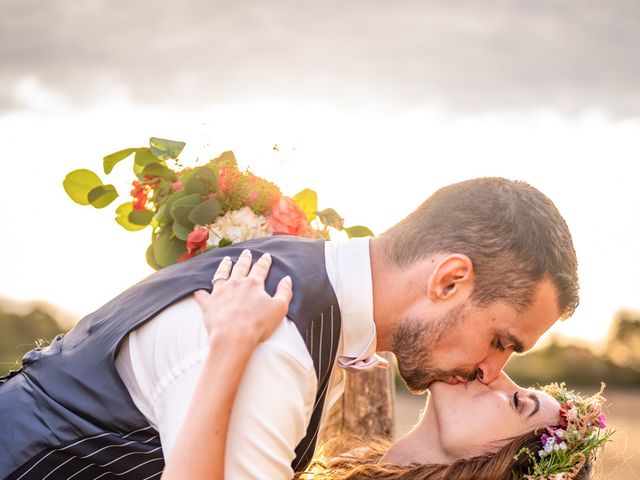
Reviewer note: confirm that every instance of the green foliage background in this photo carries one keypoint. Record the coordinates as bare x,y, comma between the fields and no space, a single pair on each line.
21,332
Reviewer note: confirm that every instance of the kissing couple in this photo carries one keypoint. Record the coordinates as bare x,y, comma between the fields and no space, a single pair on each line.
169,380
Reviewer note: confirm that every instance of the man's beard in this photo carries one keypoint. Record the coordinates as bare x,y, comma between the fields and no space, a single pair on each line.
413,343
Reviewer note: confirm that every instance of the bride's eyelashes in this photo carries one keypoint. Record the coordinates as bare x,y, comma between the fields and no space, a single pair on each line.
518,403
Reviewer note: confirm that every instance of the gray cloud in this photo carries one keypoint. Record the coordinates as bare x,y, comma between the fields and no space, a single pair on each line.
469,56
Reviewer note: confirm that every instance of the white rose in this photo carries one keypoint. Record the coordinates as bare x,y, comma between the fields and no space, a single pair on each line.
238,226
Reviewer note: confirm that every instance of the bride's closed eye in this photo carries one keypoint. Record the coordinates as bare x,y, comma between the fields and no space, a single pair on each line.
520,403
536,404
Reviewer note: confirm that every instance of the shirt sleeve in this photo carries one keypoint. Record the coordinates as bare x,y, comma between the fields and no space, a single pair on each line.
270,416
274,401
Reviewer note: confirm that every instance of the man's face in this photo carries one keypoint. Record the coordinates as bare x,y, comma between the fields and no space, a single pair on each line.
467,340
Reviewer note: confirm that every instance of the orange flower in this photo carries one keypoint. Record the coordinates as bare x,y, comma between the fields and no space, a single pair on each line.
228,179
141,192
287,218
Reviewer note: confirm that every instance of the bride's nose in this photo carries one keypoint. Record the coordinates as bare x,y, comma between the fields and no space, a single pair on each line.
503,382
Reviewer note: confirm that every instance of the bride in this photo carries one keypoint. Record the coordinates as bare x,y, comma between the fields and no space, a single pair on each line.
467,431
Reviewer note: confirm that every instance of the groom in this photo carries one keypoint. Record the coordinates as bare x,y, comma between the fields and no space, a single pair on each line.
477,272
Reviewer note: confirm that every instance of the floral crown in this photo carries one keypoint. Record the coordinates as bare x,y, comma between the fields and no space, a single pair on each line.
580,435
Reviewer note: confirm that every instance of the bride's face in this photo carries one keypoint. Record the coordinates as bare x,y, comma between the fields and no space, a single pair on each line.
463,421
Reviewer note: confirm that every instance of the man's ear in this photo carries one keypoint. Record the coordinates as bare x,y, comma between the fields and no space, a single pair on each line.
453,275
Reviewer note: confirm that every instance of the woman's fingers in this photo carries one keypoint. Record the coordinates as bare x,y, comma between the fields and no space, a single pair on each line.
284,290
202,297
260,269
223,271
241,307
242,266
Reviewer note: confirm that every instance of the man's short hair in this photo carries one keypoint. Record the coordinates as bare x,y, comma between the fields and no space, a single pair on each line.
513,234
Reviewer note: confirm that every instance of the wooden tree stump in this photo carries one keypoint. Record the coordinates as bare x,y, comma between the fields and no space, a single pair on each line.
366,408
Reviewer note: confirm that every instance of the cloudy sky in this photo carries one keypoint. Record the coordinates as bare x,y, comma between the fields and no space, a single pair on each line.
374,104
466,55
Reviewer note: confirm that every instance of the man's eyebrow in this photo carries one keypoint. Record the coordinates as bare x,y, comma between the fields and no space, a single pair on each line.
536,405
515,342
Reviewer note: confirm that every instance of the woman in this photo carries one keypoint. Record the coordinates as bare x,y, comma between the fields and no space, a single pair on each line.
467,431
493,432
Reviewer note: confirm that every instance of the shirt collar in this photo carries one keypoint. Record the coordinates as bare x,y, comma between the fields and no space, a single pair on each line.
349,270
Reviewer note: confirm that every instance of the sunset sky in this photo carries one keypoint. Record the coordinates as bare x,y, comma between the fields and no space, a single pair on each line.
375,105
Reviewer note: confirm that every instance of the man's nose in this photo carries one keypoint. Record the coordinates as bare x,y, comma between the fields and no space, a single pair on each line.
489,370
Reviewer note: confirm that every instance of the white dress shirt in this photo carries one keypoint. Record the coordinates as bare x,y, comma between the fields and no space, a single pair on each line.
160,363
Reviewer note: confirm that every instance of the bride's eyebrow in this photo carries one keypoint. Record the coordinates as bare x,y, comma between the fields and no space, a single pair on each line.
536,405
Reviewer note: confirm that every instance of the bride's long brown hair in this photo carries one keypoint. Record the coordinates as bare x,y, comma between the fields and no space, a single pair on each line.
361,463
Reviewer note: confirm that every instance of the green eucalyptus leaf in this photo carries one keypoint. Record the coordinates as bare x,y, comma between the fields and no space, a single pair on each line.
181,231
143,157
160,216
141,217
110,160
79,183
307,200
359,231
202,180
167,248
160,171
206,212
165,149
151,259
102,195
166,207
224,242
182,207
330,217
122,218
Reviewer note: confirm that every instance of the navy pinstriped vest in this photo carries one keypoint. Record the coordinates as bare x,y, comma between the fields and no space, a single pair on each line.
67,415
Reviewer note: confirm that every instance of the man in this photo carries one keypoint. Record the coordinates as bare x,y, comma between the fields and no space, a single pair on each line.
477,272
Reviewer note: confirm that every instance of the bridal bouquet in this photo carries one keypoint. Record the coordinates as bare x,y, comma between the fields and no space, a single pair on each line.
191,210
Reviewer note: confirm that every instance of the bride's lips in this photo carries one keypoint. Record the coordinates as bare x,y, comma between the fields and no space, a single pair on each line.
455,380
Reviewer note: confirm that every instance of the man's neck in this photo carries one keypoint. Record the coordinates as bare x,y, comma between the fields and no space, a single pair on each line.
382,279
395,291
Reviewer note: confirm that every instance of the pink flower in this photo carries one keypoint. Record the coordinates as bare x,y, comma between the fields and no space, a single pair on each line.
564,408
222,180
196,243
176,185
251,197
287,218
601,420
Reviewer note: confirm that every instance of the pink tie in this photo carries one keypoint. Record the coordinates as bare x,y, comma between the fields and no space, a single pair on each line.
365,361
